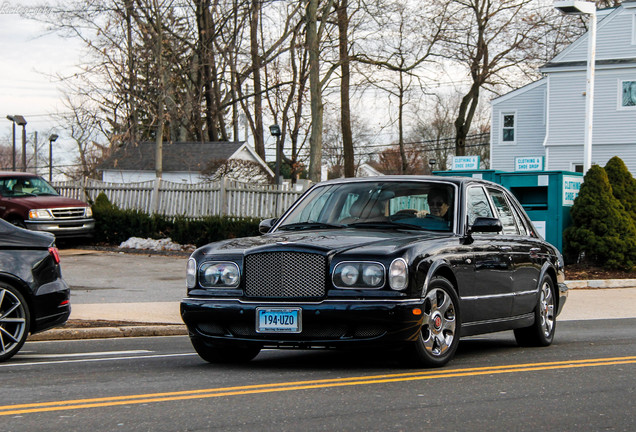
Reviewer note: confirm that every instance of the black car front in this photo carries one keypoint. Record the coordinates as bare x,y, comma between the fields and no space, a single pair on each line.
302,293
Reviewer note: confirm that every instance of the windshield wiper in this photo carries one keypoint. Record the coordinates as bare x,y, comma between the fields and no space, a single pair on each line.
308,225
384,224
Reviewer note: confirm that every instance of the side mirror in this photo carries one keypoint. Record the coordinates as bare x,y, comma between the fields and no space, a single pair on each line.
266,225
485,225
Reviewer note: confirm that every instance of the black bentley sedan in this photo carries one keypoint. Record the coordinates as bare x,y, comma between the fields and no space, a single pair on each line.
33,295
407,262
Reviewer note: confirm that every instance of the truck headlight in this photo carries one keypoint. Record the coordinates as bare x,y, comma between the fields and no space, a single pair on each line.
40,214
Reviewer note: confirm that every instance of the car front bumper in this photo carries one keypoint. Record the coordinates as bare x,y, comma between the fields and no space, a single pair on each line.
64,228
329,323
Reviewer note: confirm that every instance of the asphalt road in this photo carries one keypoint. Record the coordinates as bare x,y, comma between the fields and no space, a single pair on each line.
585,381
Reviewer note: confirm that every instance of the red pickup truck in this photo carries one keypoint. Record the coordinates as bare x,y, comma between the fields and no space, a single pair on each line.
28,201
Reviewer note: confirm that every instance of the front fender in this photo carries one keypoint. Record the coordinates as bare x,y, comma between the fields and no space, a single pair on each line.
426,270
558,279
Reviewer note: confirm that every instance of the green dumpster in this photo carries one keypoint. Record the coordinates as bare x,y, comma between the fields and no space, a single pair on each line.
547,197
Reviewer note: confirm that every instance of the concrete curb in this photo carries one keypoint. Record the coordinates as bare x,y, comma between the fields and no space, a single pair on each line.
109,332
601,283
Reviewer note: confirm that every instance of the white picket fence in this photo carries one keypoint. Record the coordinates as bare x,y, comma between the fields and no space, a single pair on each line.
222,198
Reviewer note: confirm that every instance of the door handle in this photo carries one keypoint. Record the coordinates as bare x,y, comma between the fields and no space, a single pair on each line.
506,248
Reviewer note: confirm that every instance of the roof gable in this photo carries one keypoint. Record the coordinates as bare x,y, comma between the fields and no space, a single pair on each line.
613,41
177,157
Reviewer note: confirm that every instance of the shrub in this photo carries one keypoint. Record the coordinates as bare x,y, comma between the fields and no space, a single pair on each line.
623,184
114,226
601,231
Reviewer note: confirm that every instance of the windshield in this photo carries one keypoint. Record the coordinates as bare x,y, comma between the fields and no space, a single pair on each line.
14,187
408,204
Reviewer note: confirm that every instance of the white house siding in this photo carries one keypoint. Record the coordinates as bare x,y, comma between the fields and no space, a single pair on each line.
527,104
613,127
564,158
566,109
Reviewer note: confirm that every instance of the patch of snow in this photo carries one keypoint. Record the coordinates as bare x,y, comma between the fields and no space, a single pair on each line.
165,244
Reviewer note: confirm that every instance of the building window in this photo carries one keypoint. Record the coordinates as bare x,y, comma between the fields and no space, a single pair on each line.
577,168
508,127
628,94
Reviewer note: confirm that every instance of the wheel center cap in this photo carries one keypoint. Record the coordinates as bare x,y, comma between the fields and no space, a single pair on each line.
437,322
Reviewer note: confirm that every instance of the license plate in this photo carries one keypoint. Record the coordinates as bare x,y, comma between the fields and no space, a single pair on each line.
278,320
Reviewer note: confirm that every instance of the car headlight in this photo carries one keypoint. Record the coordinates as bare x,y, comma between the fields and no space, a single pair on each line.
88,212
398,274
353,274
219,275
191,273
40,214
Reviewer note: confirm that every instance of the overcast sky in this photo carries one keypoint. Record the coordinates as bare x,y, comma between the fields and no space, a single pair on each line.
29,57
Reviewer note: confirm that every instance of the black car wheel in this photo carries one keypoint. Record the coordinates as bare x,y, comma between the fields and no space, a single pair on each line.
541,333
438,339
14,321
226,352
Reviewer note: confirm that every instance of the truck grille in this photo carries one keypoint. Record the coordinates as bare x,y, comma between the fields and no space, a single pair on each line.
68,213
285,275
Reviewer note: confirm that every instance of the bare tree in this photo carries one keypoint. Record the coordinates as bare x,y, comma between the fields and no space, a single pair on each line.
406,38
84,128
487,38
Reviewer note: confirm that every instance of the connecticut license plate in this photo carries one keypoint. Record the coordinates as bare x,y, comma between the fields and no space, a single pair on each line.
278,320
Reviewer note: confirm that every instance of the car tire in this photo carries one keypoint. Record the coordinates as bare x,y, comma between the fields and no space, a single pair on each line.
541,333
224,352
14,321
438,338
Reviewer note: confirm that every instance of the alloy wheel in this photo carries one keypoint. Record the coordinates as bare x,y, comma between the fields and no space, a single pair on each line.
546,309
13,322
438,331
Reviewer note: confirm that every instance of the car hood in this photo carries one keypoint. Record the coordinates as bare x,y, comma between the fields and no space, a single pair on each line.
13,237
34,202
323,241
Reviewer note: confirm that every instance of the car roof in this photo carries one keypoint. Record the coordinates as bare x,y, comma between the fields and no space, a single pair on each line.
396,178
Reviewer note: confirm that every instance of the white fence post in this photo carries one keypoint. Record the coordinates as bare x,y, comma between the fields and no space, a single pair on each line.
223,204
155,196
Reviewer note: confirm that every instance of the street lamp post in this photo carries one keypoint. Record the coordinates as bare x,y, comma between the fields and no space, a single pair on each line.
432,163
12,119
578,7
21,122
52,138
275,131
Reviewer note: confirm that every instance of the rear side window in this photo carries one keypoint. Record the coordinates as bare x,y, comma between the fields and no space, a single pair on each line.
504,212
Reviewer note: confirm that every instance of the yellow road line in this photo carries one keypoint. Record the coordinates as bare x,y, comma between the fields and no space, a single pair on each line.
305,385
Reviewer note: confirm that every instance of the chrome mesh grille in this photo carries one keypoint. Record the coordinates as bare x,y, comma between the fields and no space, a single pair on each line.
285,275
67,213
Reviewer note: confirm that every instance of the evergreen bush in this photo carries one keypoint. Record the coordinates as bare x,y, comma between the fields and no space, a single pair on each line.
602,232
623,184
